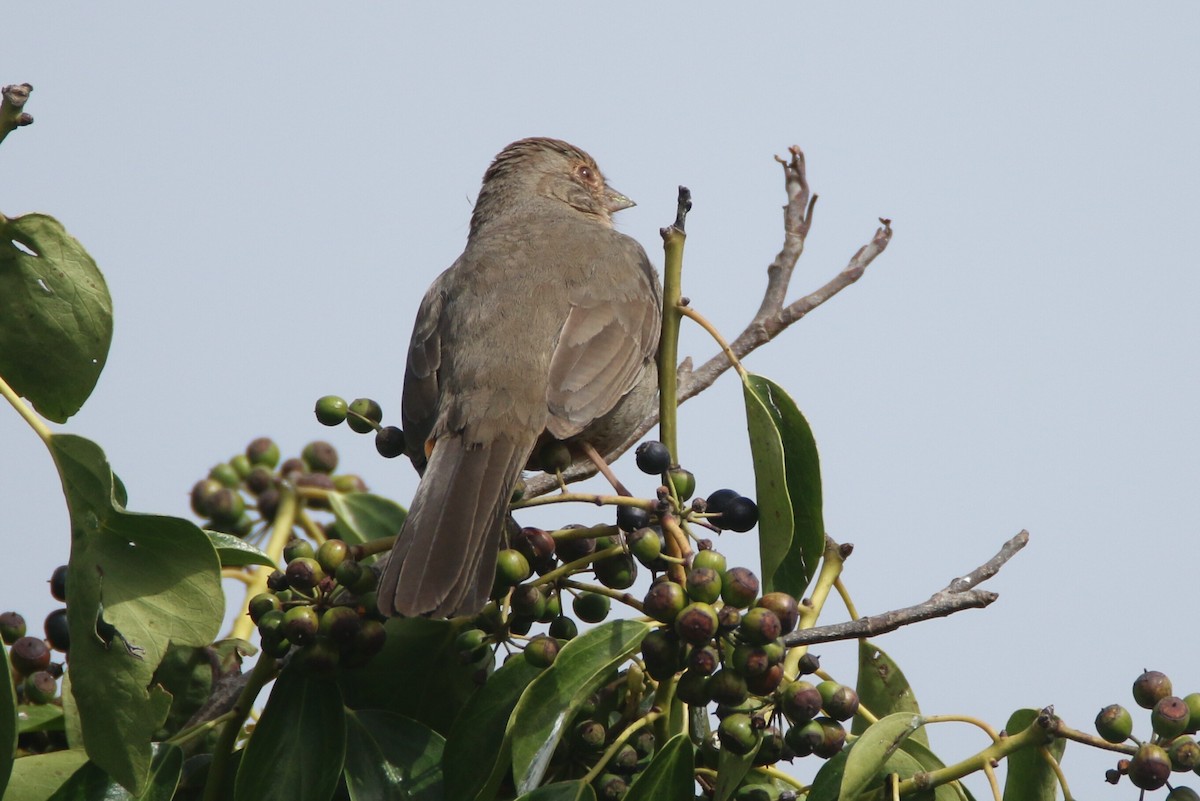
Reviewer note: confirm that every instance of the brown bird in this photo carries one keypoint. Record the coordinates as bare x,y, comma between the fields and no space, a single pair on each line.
546,327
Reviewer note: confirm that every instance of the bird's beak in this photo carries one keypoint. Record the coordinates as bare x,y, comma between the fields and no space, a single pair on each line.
614,201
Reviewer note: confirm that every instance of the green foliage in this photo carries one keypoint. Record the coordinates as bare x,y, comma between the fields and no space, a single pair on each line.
1030,776
55,315
883,689
392,758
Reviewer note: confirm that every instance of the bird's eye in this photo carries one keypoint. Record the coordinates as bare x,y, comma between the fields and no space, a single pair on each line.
585,173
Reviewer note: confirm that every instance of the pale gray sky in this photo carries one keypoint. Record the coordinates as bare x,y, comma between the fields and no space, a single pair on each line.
270,190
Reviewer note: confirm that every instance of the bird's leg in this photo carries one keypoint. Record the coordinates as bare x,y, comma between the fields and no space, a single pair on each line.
603,467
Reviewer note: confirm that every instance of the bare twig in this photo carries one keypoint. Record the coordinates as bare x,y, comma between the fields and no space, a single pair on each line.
12,100
772,316
957,596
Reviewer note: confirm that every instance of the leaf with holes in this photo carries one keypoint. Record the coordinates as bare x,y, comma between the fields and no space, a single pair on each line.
55,315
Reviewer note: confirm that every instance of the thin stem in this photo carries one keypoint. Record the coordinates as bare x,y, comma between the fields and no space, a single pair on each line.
237,574
585,497
600,589
28,414
183,736
264,670
990,772
842,591
988,730
779,775
1058,772
579,564
1060,729
810,610
703,322
281,531
668,342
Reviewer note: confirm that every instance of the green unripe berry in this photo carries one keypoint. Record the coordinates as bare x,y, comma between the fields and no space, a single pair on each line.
349,573
591,607
727,688
331,410
528,601
710,559
263,452
757,792
616,572
842,702
340,624
297,548
270,623
833,738
332,554
704,584
1184,753
472,645
226,507
610,787
261,604
804,738
1193,702
664,601
692,688
225,475
300,624
512,568
40,688
275,645
1183,794
590,736
1170,717
683,482
241,465
1114,723
541,651
1149,687
737,734
202,493
364,415
759,626
646,545
563,628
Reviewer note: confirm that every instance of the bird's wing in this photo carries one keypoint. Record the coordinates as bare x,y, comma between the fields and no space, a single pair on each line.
605,343
420,401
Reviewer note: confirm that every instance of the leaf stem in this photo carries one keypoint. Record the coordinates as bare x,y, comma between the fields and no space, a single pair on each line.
264,670
703,322
28,414
600,589
810,608
579,564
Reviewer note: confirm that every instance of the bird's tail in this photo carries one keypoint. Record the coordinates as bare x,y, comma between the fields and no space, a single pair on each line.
443,563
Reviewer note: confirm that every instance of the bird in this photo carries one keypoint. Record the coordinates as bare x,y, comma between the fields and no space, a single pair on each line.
544,330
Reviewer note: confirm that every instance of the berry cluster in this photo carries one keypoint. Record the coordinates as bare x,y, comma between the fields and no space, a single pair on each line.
363,416
1171,748
35,675
323,604
250,482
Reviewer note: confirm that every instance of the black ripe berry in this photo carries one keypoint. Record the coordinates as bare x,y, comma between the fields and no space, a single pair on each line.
652,457
741,514
631,518
389,441
58,583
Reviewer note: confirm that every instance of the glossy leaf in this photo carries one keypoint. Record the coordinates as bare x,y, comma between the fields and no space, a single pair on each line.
35,778
731,769
1029,776
71,725
418,674
873,749
552,699
392,758
138,582
362,516
477,751
90,783
8,720
928,761
236,552
187,674
827,784
669,774
39,717
298,746
562,791
883,689
55,315
787,475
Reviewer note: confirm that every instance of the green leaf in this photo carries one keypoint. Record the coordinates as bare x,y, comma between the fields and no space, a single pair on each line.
138,582
35,778
90,783
787,475
477,752
562,791
828,782
928,761
392,758
299,744
417,674
883,689
39,717
187,674
55,315
552,699
236,552
8,720
669,774
1030,777
732,768
362,516
71,724
873,749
